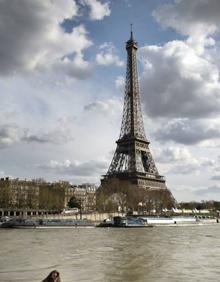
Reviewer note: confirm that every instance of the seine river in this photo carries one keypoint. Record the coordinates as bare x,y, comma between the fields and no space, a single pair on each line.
189,253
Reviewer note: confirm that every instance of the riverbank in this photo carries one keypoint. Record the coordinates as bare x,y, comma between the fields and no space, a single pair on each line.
72,222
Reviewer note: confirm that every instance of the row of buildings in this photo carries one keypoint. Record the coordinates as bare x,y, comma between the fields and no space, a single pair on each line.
39,194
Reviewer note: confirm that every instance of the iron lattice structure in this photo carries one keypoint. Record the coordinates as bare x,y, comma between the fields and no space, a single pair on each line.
132,159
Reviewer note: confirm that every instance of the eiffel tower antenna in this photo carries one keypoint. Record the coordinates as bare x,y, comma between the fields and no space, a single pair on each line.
131,31
132,159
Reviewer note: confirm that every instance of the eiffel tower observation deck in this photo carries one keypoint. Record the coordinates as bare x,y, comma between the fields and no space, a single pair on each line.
132,160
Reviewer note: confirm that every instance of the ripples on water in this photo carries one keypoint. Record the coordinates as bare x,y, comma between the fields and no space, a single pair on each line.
166,254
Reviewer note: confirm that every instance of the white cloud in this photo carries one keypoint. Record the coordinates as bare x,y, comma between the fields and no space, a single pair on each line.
215,177
177,82
56,136
107,56
210,192
188,132
190,17
197,19
120,83
174,154
108,108
98,10
189,193
181,161
77,67
76,168
33,39
184,169
9,134
178,160
13,133
193,166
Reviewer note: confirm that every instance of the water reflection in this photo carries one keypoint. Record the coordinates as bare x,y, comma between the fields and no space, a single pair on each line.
108,255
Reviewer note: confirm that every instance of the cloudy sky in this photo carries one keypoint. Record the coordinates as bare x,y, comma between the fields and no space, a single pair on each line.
62,69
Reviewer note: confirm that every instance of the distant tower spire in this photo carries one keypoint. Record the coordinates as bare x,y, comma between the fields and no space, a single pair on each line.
131,38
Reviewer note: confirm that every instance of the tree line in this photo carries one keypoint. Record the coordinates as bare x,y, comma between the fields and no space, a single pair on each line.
122,195
114,196
208,205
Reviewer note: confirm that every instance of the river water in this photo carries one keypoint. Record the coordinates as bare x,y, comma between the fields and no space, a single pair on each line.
166,254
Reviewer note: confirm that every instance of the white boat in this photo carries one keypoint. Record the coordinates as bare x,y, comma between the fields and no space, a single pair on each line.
178,220
184,219
158,220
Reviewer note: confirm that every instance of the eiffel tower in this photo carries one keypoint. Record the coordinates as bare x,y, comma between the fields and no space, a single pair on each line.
132,160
